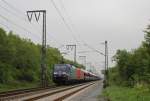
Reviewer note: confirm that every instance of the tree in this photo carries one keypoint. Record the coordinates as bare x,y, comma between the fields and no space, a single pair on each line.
134,67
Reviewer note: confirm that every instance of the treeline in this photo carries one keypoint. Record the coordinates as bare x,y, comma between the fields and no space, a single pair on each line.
132,67
20,59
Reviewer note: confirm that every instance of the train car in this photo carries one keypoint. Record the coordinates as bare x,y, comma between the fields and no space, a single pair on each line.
66,73
79,74
86,75
90,76
72,75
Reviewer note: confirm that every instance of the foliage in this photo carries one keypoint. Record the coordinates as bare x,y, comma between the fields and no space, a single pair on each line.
20,59
132,68
120,93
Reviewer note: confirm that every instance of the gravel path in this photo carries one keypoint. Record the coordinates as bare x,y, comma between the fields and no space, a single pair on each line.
89,94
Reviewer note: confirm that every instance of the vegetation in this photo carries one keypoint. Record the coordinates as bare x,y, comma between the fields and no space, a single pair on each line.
20,61
133,67
130,78
121,93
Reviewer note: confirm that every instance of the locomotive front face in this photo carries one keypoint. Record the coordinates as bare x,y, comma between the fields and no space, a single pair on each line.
60,73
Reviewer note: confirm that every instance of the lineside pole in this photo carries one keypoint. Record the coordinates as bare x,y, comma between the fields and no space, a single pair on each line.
37,14
75,50
106,65
75,55
84,57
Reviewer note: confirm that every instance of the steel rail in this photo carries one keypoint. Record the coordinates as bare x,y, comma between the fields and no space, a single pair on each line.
73,92
58,91
22,92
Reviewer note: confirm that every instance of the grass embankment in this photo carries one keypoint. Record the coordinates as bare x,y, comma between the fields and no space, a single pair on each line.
115,93
15,86
20,85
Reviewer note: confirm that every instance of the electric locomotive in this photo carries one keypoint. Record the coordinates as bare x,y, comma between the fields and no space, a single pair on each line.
61,73
66,73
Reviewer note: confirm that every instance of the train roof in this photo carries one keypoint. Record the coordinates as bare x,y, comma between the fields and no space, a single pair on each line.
85,71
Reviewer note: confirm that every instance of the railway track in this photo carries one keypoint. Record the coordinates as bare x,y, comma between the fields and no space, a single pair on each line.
22,92
9,93
51,93
59,94
66,95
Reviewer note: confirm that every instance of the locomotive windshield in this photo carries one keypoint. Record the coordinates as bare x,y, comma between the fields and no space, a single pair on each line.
60,67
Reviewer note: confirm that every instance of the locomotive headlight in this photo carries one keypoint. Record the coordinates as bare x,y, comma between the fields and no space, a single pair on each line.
55,73
64,73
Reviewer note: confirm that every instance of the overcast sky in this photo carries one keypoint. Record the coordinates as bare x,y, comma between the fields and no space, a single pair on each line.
121,22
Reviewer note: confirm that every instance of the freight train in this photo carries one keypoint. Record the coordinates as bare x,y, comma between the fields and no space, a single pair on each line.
67,73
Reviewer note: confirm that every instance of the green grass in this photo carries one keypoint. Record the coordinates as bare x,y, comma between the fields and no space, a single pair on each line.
20,85
115,93
14,86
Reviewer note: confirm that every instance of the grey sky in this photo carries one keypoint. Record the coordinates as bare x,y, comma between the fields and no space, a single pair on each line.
121,22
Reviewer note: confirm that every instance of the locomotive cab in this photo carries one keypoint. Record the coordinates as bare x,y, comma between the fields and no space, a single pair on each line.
60,73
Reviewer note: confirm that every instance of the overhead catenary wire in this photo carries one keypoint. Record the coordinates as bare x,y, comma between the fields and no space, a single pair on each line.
5,25
6,19
16,12
8,11
79,38
69,19
82,41
22,17
64,21
66,13
94,49
11,6
13,23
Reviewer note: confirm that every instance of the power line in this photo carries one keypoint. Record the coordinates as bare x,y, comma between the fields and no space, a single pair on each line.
16,31
21,17
8,11
60,44
67,15
69,19
88,51
84,43
94,49
5,25
11,6
17,11
13,23
14,14
63,19
6,19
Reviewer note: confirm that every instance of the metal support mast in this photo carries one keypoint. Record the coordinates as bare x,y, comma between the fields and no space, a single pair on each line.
37,14
106,63
71,47
84,57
